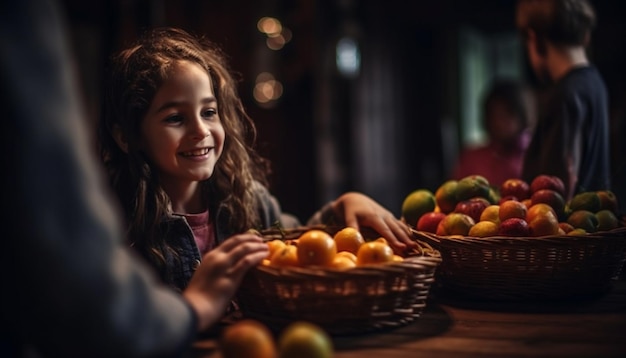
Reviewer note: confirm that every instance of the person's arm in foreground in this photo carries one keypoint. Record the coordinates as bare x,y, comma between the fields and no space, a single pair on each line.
71,287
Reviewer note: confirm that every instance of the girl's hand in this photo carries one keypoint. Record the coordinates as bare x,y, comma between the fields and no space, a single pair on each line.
219,275
357,209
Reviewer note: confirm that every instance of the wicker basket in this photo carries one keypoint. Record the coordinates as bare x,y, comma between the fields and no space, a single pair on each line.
532,268
348,301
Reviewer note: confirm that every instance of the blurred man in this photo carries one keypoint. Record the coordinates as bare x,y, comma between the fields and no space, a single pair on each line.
571,139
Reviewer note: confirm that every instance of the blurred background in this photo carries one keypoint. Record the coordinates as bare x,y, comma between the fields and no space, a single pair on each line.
374,96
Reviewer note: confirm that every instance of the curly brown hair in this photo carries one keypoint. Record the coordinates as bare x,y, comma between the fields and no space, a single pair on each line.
135,75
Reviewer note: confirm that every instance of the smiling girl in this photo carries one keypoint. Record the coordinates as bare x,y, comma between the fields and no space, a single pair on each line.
179,149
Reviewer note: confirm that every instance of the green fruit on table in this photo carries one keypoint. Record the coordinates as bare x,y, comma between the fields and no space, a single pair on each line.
588,200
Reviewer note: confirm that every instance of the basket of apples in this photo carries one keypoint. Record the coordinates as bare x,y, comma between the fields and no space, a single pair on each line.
339,278
520,241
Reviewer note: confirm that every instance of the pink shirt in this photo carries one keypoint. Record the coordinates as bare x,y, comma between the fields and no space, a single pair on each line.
494,163
202,229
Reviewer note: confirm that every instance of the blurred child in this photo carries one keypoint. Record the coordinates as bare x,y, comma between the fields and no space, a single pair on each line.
509,113
571,139
178,146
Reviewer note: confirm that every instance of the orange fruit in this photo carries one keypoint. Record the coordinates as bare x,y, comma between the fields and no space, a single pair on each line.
285,257
416,204
304,340
374,253
512,209
247,338
316,248
348,239
538,210
347,254
275,245
397,258
265,262
544,224
342,262
382,240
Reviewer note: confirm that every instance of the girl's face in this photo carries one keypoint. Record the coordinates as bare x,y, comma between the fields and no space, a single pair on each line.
182,133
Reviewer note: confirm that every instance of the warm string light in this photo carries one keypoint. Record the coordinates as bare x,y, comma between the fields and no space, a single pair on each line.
267,89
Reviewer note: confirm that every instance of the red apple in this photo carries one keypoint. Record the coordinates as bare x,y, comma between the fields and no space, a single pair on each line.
552,198
472,207
429,221
551,182
517,188
514,227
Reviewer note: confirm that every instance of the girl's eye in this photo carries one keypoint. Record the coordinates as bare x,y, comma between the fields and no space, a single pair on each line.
174,119
209,113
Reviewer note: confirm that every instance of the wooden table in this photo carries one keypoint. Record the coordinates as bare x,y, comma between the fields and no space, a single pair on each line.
595,328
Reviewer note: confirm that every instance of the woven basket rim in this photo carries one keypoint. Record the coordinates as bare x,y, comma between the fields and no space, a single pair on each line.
558,240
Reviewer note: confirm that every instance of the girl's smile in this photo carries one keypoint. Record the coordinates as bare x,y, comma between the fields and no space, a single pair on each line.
197,154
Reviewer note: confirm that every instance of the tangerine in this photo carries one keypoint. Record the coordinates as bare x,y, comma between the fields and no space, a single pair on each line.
347,254
382,240
285,257
316,248
342,262
374,253
348,239
275,245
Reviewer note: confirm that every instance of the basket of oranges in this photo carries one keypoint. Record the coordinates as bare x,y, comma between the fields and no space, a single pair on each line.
529,244
338,278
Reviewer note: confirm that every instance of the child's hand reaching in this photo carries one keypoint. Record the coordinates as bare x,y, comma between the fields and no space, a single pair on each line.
219,275
357,209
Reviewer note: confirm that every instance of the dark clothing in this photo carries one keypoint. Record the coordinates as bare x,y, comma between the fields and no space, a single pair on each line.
71,286
571,139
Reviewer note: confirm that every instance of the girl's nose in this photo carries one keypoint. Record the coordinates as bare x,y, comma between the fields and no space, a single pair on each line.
201,130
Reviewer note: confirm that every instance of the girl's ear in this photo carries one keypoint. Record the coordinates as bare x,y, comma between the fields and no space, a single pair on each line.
120,138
